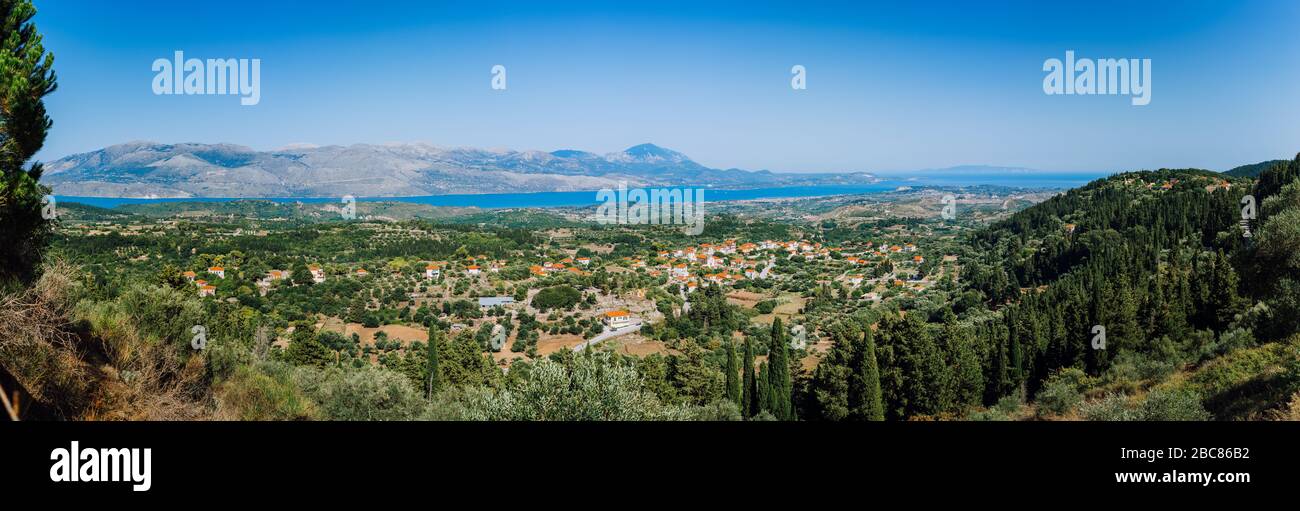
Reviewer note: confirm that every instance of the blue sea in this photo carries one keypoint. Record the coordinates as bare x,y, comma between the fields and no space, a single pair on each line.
588,198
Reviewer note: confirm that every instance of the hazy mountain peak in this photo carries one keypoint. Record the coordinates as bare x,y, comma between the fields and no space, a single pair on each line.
648,153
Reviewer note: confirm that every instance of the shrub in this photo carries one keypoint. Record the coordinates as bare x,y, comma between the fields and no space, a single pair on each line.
717,411
1113,407
1010,404
1160,405
1057,397
1174,405
593,387
990,415
556,297
368,393
1061,391
763,416
251,394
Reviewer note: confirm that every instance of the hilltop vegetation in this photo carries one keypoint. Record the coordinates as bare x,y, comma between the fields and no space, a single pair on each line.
1252,170
1162,262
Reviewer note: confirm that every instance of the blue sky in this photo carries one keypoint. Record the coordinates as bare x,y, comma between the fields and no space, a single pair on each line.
890,87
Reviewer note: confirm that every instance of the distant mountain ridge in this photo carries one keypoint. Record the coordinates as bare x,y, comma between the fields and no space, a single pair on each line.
149,169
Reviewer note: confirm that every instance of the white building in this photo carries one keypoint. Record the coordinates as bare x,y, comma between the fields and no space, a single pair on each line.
618,319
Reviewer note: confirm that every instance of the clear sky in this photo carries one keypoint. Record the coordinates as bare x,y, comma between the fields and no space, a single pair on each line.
890,86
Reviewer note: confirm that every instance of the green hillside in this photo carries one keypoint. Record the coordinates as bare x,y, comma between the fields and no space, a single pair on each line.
1253,169
1160,260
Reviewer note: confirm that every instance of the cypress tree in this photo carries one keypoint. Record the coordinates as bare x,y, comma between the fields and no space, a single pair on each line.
1225,303
764,390
749,400
1015,368
922,367
873,407
435,343
733,379
779,384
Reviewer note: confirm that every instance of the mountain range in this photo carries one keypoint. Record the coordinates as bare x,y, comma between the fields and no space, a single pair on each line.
148,169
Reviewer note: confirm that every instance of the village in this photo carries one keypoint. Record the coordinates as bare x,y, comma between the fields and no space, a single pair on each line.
544,281
751,272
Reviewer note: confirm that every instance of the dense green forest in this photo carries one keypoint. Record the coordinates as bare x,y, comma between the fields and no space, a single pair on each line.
1160,260
1253,169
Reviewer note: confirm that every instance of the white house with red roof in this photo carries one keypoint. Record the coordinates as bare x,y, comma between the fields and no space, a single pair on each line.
617,319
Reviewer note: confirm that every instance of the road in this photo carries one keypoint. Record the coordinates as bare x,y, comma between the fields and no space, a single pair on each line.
608,334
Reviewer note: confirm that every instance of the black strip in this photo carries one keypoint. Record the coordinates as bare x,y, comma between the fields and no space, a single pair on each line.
313,460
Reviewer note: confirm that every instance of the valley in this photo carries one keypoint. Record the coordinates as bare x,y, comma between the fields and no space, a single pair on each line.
986,315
